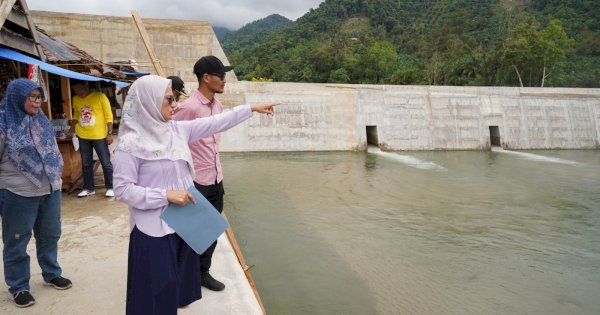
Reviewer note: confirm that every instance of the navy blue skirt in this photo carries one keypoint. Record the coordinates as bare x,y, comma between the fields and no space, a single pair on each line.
163,273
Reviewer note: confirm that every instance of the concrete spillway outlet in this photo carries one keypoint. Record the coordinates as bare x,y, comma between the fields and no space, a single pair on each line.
495,136
372,138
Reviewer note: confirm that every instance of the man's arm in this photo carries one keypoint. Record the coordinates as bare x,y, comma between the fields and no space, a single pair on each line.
108,118
71,131
74,120
109,128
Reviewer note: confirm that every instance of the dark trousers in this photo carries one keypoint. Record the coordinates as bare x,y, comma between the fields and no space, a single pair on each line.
214,195
87,162
162,274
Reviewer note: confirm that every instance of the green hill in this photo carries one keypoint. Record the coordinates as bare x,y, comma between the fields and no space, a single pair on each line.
253,33
220,31
437,42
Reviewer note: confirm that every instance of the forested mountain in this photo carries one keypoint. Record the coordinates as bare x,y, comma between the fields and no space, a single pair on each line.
253,33
220,31
437,42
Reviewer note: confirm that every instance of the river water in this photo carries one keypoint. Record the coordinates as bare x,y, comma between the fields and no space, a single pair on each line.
491,232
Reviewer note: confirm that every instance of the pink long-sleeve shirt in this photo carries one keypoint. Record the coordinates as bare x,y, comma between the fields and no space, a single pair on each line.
205,152
143,184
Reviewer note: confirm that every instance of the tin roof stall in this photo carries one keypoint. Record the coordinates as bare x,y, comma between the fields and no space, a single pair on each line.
29,52
68,56
24,49
59,91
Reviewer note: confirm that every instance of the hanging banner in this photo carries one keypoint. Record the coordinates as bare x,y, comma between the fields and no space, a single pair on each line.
34,74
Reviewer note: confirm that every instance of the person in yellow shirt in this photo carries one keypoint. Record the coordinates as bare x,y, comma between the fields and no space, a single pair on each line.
92,124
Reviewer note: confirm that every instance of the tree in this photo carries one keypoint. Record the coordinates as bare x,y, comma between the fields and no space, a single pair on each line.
339,76
519,47
553,43
381,58
534,55
410,70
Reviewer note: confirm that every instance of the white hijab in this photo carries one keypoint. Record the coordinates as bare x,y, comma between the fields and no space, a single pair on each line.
143,132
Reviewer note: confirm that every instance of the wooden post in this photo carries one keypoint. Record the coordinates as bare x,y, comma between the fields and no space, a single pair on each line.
65,88
146,39
46,107
5,9
242,261
16,68
33,30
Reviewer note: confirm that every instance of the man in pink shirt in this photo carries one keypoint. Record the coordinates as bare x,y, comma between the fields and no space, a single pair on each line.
210,72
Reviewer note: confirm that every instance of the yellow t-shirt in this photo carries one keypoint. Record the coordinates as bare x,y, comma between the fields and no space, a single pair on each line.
92,112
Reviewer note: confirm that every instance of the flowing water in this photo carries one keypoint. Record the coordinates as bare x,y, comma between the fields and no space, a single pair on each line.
494,232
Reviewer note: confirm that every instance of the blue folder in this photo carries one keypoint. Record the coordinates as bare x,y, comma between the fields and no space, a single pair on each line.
199,224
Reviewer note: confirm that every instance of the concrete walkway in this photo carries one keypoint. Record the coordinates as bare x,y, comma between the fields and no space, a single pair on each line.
93,254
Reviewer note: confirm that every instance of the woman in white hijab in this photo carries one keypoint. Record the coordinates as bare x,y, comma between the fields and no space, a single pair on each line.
153,167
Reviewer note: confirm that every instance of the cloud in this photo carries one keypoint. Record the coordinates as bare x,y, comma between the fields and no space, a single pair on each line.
232,14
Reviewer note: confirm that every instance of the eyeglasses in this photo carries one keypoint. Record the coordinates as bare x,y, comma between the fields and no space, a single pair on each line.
220,75
170,99
34,97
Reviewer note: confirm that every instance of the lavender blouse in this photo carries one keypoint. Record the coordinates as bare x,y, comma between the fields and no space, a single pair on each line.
143,184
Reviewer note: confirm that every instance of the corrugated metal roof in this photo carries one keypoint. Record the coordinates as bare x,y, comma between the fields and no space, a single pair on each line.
16,29
68,56
11,54
56,50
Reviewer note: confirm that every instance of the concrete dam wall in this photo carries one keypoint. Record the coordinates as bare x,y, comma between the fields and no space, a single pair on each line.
348,117
322,117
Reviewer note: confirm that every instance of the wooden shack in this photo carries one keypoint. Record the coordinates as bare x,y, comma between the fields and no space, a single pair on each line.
23,46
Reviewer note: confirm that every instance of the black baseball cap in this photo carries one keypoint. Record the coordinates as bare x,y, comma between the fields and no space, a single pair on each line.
177,84
210,65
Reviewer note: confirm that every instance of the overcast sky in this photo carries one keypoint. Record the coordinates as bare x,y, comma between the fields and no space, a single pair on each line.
231,14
